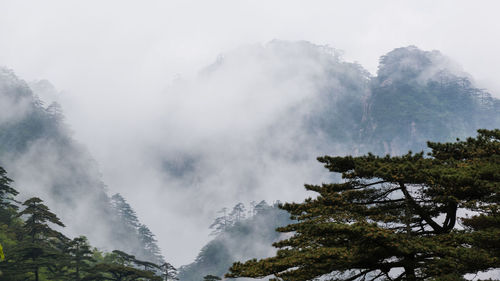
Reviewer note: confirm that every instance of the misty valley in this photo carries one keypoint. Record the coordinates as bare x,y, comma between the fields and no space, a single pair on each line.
410,190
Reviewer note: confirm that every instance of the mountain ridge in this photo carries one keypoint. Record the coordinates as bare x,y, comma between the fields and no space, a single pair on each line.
416,96
40,154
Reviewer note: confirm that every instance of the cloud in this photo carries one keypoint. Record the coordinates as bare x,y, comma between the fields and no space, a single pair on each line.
127,73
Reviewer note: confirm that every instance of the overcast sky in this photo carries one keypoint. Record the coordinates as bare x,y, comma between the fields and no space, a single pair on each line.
114,60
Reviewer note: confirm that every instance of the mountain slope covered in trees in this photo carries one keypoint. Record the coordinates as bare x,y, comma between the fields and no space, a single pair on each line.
420,95
415,96
238,235
37,149
33,248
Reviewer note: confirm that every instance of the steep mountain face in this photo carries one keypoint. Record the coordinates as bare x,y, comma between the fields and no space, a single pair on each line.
37,150
419,96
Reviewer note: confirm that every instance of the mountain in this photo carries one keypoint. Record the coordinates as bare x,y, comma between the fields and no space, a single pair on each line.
415,96
249,127
292,101
37,150
238,239
422,95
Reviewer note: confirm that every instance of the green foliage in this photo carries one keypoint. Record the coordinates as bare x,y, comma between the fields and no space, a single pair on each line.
80,257
40,246
211,278
36,224
7,193
119,272
35,143
395,218
120,266
35,251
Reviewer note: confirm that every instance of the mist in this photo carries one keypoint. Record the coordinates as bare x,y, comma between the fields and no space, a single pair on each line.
190,106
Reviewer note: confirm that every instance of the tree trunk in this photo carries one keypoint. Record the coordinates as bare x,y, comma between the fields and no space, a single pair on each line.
410,274
77,271
410,268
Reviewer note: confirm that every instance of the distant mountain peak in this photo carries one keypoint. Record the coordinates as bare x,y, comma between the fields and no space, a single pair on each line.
413,64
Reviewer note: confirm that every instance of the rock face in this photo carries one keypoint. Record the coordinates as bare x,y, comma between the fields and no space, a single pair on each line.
37,150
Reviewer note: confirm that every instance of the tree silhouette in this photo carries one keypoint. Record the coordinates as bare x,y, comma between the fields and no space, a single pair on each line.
169,272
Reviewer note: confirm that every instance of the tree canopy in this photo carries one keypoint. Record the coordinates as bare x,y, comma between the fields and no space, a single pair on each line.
35,250
410,217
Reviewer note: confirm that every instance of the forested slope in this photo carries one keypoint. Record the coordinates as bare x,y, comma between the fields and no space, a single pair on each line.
37,149
238,235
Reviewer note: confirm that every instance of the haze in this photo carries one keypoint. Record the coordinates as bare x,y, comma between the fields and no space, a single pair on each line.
126,72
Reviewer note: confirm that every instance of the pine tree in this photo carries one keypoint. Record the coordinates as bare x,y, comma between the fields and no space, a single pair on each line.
8,207
143,243
149,242
80,257
261,207
123,267
10,228
7,193
395,218
118,272
238,212
125,211
41,246
169,272
251,210
221,223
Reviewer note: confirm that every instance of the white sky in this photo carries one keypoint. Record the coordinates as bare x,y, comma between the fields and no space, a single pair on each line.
113,59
